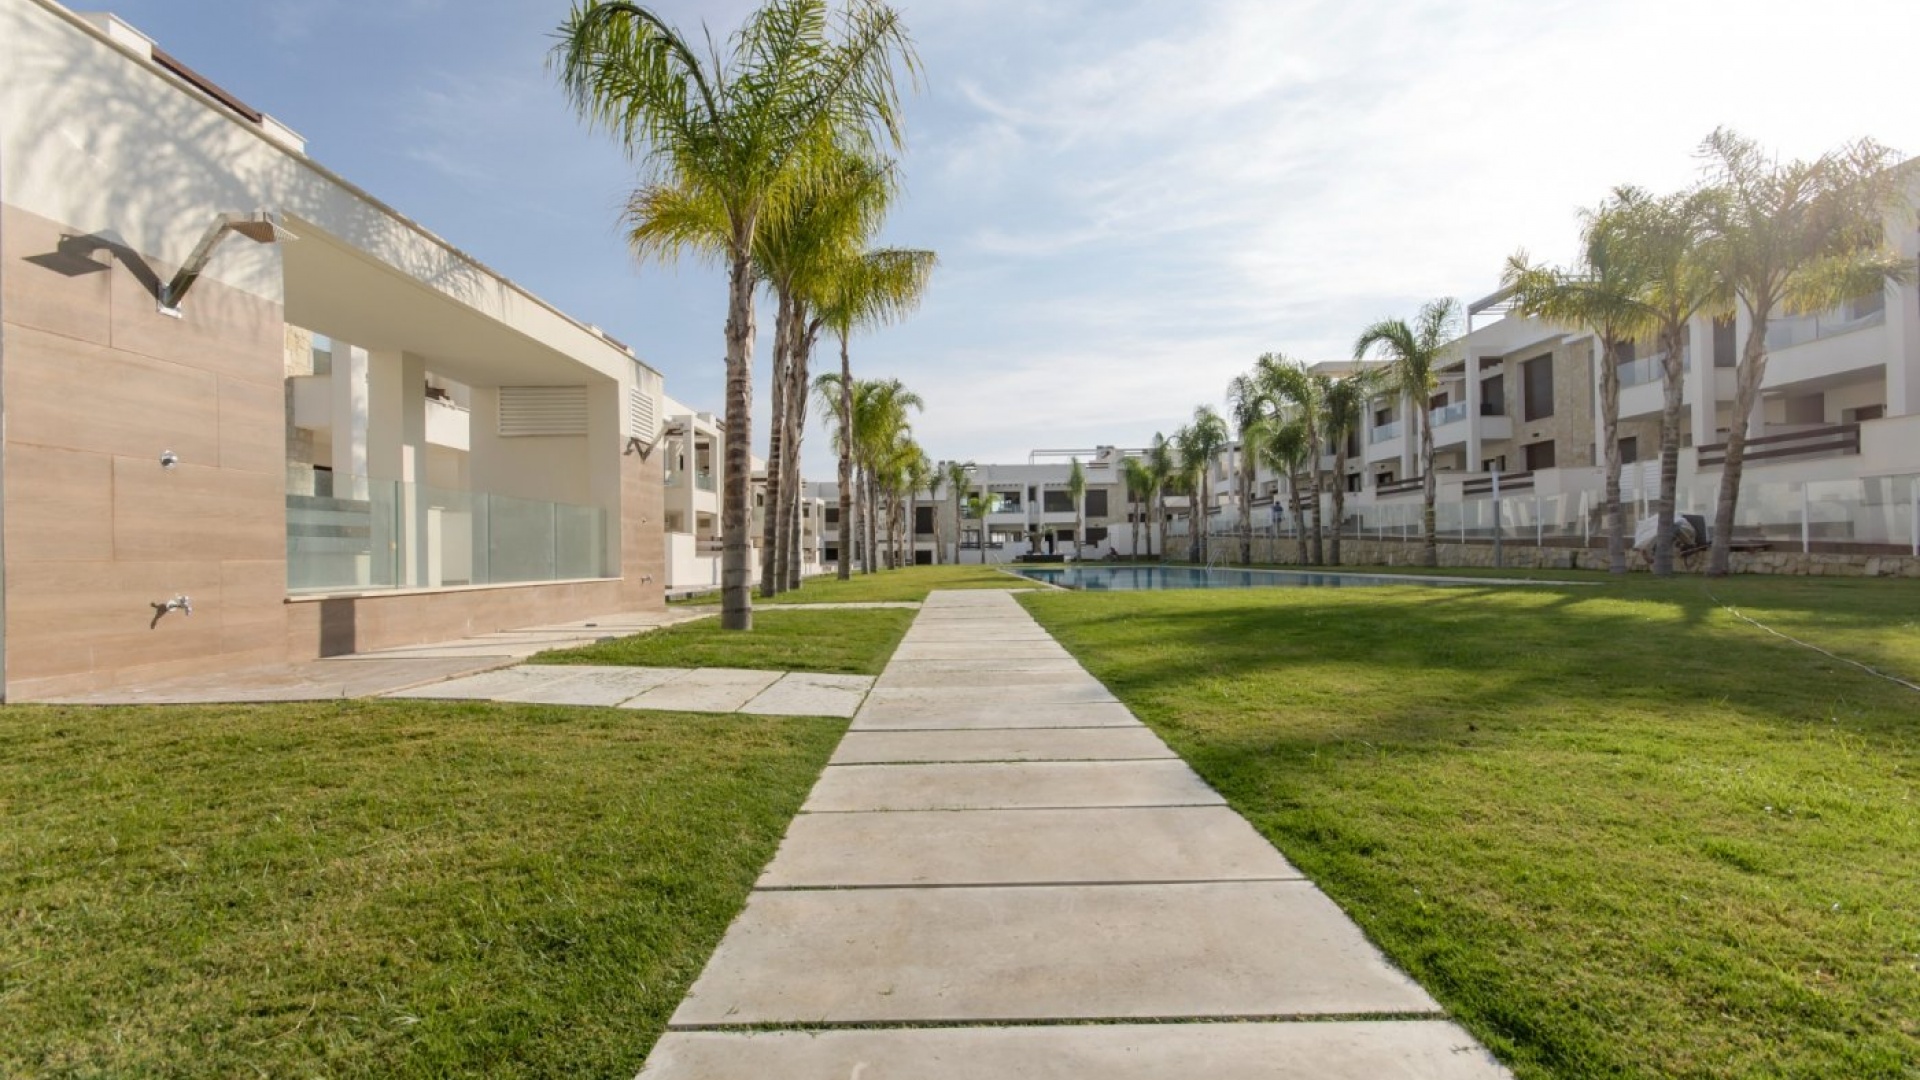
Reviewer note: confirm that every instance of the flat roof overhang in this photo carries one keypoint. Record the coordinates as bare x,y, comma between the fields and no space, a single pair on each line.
457,316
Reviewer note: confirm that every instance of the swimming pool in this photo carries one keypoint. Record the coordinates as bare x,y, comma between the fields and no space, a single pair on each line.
1123,578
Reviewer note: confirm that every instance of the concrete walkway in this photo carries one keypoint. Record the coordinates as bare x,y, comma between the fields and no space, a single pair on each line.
1003,874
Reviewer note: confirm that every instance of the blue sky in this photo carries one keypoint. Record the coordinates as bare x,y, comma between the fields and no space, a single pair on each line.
1131,200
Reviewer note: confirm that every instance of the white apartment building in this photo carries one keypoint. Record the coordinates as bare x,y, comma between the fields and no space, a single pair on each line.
693,462
255,415
1833,450
1030,512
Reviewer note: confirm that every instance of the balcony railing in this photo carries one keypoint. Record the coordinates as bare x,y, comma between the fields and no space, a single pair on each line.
703,480
1519,481
1648,369
1447,414
1814,442
1401,487
1845,319
1384,433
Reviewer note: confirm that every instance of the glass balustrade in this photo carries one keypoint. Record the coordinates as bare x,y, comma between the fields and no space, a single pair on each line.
370,535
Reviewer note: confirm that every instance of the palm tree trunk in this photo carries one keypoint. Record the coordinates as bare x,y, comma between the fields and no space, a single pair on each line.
798,380
1246,503
1753,369
736,504
844,571
770,511
1610,438
1134,512
1301,551
1669,452
1319,525
874,554
1430,543
1339,501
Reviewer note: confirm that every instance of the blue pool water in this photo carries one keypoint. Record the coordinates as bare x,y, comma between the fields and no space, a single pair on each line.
1115,578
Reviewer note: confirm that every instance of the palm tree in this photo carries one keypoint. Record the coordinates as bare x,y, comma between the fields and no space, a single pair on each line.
879,439
746,132
1199,443
920,476
1077,491
1247,403
1285,448
874,288
1413,356
1287,383
1790,238
956,473
1162,467
1140,486
798,253
1665,239
1603,295
1344,407
979,505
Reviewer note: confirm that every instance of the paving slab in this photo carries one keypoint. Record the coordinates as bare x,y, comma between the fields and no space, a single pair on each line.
706,690
598,685
805,694
1059,680
1357,1050
490,684
1033,662
979,650
907,710
970,633
1022,847
1241,949
1000,744
865,788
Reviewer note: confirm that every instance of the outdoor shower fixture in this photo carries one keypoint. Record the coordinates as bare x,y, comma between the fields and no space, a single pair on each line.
261,227
180,603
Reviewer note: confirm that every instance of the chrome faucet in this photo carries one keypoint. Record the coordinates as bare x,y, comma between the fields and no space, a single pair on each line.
181,603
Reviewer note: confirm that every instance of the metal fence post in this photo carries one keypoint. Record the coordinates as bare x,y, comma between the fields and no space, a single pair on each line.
1806,520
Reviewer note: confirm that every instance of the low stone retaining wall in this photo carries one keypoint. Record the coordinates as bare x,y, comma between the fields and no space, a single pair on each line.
1516,556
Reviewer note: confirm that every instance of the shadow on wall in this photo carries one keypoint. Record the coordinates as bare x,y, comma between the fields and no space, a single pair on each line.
337,634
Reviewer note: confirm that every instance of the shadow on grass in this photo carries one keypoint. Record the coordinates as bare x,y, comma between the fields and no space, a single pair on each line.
1613,830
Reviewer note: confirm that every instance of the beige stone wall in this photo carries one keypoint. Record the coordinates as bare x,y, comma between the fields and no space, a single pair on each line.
98,384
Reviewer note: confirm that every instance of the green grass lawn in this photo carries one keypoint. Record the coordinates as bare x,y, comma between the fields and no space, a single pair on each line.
373,889
909,583
852,641
1615,831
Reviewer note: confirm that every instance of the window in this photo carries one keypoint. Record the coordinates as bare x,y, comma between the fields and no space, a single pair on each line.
1494,464
1725,352
833,515
1625,352
1629,449
1355,482
1539,455
1056,501
922,520
1536,379
1097,536
1008,502
1097,503
1382,417
1493,395
1862,414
